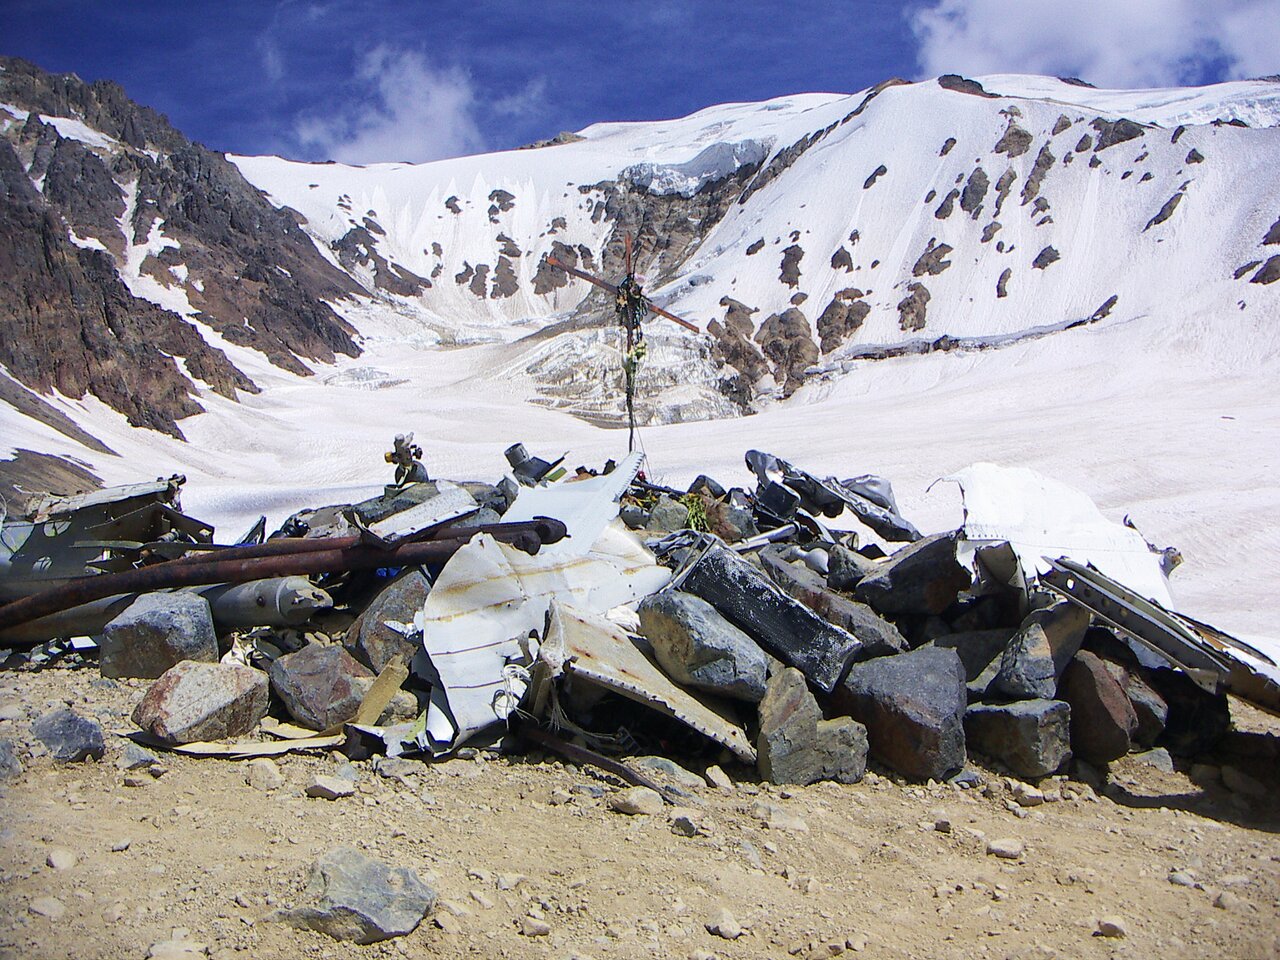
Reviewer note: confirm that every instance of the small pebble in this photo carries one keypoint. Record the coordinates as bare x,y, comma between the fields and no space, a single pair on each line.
534,927
262,774
723,924
636,800
1112,927
60,858
330,788
50,907
1006,848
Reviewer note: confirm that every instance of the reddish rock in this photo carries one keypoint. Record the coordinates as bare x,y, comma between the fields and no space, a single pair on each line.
1103,720
317,685
203,701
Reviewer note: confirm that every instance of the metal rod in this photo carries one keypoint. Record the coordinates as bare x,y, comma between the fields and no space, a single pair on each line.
545,529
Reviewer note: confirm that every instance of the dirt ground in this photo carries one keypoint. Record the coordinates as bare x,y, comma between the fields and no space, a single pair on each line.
879,869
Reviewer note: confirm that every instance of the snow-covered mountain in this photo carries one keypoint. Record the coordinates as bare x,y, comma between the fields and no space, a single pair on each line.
901,280
809,230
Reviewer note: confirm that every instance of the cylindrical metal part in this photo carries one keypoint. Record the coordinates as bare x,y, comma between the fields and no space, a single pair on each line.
281,602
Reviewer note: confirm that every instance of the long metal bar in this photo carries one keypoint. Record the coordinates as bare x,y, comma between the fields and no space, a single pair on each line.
547,530
177,573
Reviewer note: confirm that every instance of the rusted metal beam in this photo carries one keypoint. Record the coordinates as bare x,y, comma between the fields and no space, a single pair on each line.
545,529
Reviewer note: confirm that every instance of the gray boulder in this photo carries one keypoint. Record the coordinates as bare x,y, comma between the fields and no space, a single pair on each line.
10,762
370,640
699,647
351,897
845,567
879,637
1103,721
922,579
1039,652
156,631
317,685
797,746
980,651
1031,737
1149,706
203,701
68,737
913,707
667,515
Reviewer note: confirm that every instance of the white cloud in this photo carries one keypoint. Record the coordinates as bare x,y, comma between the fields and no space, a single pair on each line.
414,112
1112,43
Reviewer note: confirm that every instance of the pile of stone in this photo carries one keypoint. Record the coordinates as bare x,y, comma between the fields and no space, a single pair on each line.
821,649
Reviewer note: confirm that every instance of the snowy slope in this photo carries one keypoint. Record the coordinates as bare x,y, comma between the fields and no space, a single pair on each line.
1089,214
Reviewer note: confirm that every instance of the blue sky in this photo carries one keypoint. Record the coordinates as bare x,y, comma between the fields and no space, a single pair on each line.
402,80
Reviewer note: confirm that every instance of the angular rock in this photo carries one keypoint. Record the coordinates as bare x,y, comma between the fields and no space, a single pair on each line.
667,515
670,770
1102,719
699,647
1006,848
316,685
325,787
351,897
797,746
878,636
1149,706
203,701
913,707
976,648
10,762
135,757
1039,652
155,632
785,628
370,640
1031,737
846,567
923,578
261,773
69,738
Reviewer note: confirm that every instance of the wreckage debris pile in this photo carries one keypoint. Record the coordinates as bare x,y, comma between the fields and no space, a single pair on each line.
730,625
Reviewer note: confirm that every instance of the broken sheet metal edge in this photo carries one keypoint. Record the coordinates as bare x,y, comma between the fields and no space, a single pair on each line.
1039,517
450,503
489,598
592,648
1205,653
585,507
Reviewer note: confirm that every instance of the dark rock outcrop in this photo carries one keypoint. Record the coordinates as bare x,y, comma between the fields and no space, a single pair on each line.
785,339
796,745
913,307
932,261
913,708
1031,737
842,317
1103,721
